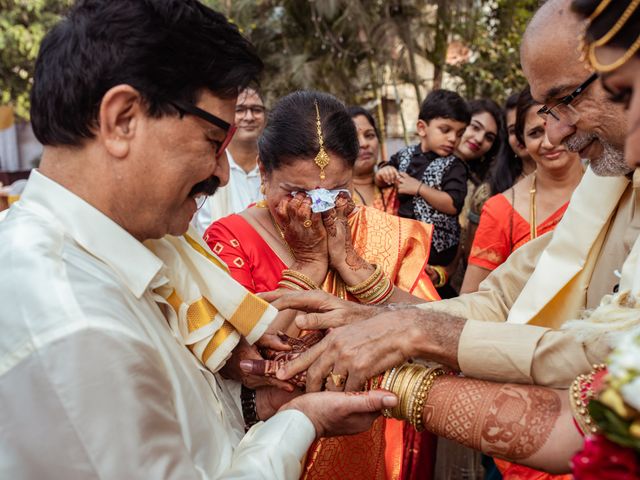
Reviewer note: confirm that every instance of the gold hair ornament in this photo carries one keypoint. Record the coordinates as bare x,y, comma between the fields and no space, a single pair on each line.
591,49
599,9
322,158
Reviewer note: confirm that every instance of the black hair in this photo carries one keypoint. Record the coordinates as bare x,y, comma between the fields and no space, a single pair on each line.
357,111
525,102
168,50
479,168
291,132
507,166
445,104
607,19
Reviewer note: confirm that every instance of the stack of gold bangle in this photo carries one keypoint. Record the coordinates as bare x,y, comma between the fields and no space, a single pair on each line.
411,383
374,290
293,280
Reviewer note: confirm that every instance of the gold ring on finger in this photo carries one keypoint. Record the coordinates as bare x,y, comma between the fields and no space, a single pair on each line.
338,380
307,223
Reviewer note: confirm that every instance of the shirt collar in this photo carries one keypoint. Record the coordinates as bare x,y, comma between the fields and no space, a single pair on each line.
234,166
93,230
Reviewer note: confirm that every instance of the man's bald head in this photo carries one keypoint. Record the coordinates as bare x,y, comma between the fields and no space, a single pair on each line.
552,63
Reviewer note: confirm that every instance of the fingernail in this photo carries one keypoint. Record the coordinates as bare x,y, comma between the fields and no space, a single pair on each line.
246,365
389,401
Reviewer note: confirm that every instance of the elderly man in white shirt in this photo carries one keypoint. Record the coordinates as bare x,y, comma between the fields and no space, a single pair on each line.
115,321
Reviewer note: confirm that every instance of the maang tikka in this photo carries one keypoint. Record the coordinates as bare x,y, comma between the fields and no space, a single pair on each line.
322,158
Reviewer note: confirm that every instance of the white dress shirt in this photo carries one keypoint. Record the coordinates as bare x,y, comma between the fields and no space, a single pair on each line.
93,384
242,190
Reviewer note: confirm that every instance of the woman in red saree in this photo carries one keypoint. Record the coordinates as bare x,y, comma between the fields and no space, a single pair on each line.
532,207
335,250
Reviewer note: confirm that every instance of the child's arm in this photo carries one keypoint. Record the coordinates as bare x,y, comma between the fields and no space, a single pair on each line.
441,201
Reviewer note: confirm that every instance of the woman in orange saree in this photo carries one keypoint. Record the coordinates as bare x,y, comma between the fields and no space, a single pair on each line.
283,233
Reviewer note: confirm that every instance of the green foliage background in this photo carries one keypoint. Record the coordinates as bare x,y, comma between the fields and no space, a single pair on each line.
347,47
23,23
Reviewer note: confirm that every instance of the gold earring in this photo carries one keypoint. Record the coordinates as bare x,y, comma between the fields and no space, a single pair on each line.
262,203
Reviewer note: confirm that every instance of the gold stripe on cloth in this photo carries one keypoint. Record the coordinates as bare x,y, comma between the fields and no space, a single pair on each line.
218,339
175,301
199,314
248,314
198,248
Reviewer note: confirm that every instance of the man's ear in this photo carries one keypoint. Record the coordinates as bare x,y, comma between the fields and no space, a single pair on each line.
421,128
119,116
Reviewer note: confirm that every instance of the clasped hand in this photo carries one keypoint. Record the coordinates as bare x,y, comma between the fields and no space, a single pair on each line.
319,240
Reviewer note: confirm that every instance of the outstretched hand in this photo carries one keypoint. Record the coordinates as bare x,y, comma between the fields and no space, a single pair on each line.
337,413
357,351
323,310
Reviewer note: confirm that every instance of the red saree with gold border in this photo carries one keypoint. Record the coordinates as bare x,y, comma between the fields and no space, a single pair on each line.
401,248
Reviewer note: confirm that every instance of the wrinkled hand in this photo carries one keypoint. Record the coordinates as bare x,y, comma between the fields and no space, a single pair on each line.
245,352
334,413
309,244
407,185
357,351
387,175
270,399
323,309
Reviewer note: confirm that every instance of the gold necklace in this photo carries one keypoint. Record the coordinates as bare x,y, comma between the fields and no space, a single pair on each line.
532,207
281,232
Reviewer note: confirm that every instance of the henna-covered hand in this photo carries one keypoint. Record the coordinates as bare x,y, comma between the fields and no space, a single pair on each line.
343,257
308,244
274,359
245,352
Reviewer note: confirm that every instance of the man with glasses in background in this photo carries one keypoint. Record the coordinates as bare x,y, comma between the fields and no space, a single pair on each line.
243,188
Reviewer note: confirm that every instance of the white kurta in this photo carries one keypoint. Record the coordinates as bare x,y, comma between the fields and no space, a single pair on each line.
93,384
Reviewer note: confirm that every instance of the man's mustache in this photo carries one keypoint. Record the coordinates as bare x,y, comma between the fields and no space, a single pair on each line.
208,186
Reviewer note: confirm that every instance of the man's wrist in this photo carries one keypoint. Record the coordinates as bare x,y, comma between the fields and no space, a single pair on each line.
435,336
249,403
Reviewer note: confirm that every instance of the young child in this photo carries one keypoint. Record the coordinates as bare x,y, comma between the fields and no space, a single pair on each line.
431,181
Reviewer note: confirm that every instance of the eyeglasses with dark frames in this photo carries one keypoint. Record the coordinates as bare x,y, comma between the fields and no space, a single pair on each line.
230,129
563,108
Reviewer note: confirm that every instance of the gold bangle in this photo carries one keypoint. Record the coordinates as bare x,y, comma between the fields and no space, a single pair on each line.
422,395
292,274
384,295
442,276
290,285
363,286
374,291
580,394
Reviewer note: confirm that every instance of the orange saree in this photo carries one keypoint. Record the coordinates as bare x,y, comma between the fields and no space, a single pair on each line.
502,230
401,248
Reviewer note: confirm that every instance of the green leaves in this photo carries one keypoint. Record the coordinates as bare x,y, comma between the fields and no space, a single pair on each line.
614,427
23,24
